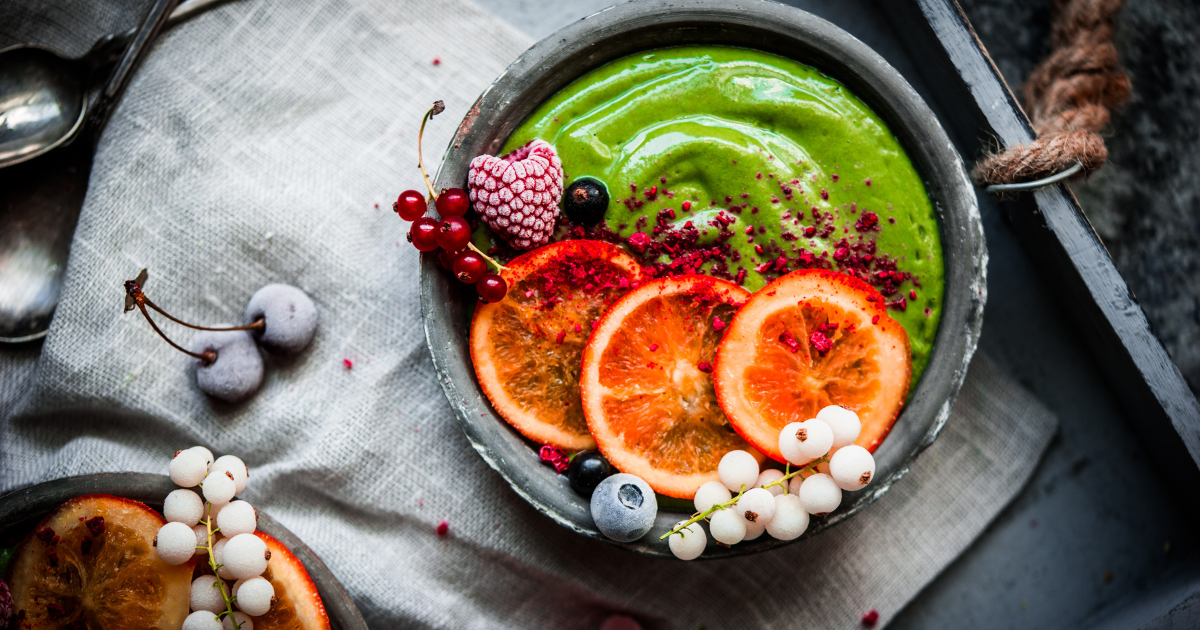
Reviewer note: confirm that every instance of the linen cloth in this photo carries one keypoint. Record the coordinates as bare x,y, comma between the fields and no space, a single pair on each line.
263,142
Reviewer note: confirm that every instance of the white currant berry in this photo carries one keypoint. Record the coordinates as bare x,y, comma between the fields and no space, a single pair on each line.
794,485
244,622
771,475
790,520
815,438
727,526
201,540
710,494
789,446
237,518
175,543
255,596
844,423
219,487
852,467
820,495
245,556
218,550
208,456
753,530
206,595
757,506
187,468
738,470
236,467
201,620
183,506
689,542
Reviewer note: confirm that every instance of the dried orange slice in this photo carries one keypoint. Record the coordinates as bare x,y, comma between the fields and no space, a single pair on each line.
92,564
809,339
647,384
297,604
526,347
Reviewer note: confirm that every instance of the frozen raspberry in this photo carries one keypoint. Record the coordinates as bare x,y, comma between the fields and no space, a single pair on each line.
517,195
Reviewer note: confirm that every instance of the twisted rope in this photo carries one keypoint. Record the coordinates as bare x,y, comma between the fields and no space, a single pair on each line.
1068,97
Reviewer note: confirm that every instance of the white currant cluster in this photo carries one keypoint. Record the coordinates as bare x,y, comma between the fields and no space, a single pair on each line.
221,530
773,501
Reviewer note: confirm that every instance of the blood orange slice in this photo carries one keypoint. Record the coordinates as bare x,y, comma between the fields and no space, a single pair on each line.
647,385
809,339
297,604
92,564
526,347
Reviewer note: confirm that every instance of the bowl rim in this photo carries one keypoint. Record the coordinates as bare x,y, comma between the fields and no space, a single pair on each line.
25,507
553,63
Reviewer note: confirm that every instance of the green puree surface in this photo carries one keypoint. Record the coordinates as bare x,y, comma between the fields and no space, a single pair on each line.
729,129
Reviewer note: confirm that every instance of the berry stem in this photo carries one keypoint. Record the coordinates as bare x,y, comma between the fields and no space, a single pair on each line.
438,107
207,357
212,563
696,518
498,266
134,290
788,475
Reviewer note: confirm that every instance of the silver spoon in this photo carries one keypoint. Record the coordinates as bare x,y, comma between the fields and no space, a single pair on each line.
44,95
40,198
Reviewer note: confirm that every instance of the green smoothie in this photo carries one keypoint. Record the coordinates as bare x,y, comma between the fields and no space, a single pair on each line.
746,165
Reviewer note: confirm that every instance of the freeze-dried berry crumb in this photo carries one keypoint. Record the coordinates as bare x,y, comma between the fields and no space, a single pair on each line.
95,525
717,324
820,342
347,363
555,457
870,619
443,528
704,366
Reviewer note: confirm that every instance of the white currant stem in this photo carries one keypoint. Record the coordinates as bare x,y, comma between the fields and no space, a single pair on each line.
497,265
212,562
787,476
696,518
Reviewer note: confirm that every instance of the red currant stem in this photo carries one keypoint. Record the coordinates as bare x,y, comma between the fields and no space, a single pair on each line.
212,563
498,266
709,512
207,357
807,468
420,160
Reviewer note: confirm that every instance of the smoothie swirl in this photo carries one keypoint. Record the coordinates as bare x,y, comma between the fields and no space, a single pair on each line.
747,165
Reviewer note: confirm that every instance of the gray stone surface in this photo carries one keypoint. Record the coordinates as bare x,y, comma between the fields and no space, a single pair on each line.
1145,203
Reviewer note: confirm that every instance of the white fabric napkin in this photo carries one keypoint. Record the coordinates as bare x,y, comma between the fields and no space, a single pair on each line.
264,142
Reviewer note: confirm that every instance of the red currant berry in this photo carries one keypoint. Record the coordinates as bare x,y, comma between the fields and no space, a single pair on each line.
453,202
410,206
491,288
453,233
469,267
446,259
424,234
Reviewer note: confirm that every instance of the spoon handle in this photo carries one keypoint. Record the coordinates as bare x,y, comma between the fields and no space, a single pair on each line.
138,47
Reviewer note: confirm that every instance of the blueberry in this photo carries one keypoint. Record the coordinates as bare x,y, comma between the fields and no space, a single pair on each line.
586,471
585,201
290,317
624,507
238,370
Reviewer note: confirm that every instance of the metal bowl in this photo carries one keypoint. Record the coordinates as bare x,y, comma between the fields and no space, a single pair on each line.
575,50
20,511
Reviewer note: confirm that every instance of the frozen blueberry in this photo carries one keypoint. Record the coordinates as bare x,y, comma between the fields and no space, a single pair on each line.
586,471
624,507
585,201
238,370
290,317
